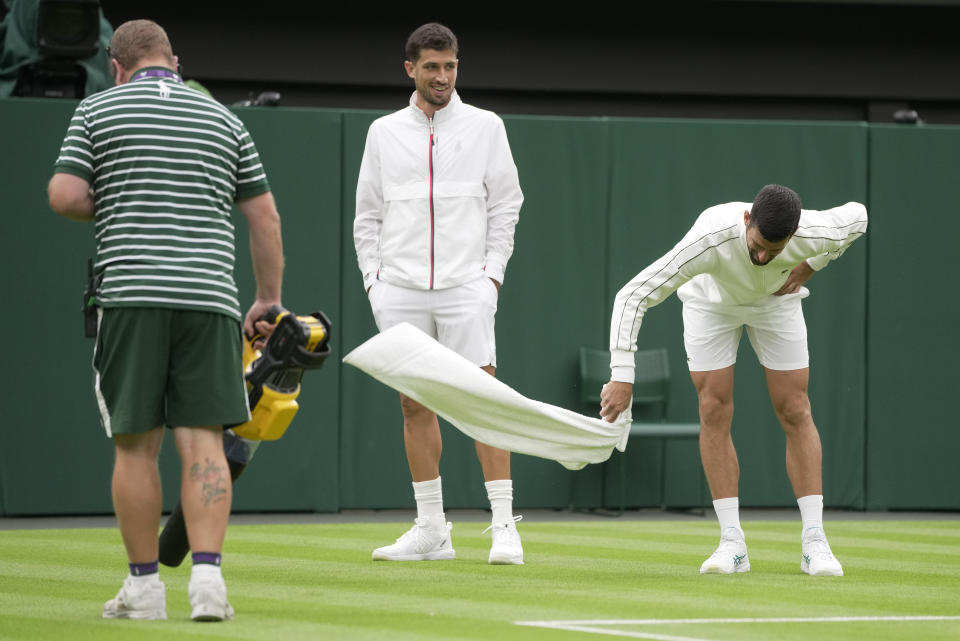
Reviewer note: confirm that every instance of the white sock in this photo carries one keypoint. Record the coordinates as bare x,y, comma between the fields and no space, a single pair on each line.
811,511
429,497
203,570
728,512
500,494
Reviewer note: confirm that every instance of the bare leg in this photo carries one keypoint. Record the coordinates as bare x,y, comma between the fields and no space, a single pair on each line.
421,438
719,458
494,462
788,392
137,495
423,443
206,491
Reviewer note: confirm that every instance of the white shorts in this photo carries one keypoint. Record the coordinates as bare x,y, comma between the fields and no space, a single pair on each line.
461,318
777,331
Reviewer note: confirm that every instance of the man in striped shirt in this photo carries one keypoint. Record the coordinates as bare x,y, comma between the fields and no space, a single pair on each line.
157,167
743,265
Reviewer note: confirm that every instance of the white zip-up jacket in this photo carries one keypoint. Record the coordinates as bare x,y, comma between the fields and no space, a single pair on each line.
711,267
437,199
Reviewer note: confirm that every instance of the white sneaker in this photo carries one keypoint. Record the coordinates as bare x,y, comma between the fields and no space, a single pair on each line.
506,548
208,598
138,599
731,554
817,558
427,540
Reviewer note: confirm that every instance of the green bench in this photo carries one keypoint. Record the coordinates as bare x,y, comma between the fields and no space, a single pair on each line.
650,395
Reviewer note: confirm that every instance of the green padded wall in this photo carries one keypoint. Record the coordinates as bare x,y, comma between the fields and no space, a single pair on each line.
549,303
604,197
54,456
913,344
664,173
58,460
300,150
373,467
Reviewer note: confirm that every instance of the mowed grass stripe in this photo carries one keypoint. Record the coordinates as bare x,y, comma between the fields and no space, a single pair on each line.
317,581
616,542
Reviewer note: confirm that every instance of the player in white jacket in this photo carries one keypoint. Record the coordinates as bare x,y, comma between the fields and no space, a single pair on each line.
438,198
743,264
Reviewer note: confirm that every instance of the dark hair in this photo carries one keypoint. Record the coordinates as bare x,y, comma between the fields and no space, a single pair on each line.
775,212
432,35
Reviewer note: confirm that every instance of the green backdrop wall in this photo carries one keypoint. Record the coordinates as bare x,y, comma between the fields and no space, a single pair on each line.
604,197
663,174
914,434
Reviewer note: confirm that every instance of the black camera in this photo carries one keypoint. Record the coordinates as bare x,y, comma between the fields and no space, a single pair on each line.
67,31
68,28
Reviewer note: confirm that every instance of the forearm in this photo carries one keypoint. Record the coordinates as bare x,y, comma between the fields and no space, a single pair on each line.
71,197
78,214
266,252
266,245
366,241
628,311
504,200
499,244
648,288
369,212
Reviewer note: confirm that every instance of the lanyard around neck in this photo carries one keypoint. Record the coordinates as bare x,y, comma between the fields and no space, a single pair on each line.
156,73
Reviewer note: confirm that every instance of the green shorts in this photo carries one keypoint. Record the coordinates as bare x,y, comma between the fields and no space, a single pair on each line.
178,368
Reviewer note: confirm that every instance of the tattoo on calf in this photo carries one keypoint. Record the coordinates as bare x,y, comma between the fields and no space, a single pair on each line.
212,478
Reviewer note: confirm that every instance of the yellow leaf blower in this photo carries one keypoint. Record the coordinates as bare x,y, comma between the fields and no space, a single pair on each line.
273,376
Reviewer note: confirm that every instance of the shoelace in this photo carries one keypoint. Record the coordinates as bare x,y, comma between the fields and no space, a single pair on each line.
416,532
728,546
515,519
818,547
412,533
816,544
730,542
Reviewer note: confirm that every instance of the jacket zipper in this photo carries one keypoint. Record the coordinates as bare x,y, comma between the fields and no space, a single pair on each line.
432,230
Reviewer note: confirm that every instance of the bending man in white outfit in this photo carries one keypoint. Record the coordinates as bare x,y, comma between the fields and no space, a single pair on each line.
438,198
743,265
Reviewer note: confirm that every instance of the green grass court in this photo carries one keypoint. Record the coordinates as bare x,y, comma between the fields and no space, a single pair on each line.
582,580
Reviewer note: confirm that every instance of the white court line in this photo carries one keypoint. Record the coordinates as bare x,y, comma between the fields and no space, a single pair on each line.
589,625
573,627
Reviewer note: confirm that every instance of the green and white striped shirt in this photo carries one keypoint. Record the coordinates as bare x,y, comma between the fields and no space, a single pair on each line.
166,163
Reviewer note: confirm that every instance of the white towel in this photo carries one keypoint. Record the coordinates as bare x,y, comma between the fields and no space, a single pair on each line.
480,406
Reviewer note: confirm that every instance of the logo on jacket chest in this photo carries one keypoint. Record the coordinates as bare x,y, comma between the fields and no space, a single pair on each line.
448,147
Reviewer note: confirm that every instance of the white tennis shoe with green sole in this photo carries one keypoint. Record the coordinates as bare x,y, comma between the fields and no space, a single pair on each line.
731,555
816,557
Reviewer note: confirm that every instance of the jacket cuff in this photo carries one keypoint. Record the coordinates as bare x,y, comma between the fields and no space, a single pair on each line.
621,366
494,269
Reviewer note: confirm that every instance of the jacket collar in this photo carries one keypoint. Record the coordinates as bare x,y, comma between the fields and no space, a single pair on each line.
441,114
